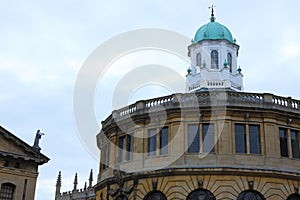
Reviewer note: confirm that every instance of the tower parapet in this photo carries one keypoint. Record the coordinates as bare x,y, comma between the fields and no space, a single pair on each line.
86,193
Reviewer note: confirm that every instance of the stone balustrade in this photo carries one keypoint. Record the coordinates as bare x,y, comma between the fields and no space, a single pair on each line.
212,98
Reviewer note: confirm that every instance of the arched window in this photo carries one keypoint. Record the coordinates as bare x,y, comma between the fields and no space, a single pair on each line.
7,191
199,59
214,56
201,194
229,61
155,195
294,197
250,195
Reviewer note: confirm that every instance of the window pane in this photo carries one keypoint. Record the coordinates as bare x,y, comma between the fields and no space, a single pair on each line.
283,142
199,61
7,191
193,139
240,138
164,141
214,59
129,147
229,61
295,144
105,156
254,137
208,138
152,142
122,143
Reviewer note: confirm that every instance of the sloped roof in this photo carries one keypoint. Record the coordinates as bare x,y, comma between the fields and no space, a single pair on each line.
20,148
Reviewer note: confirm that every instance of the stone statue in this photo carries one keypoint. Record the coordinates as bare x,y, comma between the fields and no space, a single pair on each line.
38,136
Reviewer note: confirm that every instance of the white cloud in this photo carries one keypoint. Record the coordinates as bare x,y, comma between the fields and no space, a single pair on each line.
291,51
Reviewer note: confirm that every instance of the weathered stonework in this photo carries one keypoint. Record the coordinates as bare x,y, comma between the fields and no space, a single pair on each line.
224,172
18,166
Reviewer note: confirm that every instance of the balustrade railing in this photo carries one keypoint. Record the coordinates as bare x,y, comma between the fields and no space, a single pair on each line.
249,98
127,110
227,98
159,101
286,102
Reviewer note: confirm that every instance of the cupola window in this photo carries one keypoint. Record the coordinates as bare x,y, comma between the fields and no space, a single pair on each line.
229,61
214,59
199,59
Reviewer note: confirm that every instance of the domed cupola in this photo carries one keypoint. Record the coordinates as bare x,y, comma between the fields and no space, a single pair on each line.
213,31
213,54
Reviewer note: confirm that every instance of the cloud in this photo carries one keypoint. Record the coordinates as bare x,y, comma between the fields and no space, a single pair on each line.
44,43
290,51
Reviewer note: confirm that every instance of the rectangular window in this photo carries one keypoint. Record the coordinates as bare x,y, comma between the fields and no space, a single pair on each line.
164,134
254,139
105,156
208,138
125,148
283,142
25,189
152,142
193,138
295,144
207,141
240,138
129,147
122,148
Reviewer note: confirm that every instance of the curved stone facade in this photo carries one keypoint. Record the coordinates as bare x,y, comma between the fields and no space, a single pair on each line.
217,144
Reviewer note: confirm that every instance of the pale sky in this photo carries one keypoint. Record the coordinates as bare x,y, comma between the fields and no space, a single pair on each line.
43,45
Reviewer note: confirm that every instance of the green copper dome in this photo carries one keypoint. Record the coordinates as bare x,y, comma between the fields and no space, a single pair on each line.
213,31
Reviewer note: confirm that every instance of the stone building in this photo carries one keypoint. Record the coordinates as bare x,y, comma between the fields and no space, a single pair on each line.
212,142
86,193
18,167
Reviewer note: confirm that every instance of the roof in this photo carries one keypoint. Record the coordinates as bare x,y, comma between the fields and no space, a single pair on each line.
30,153
213,31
